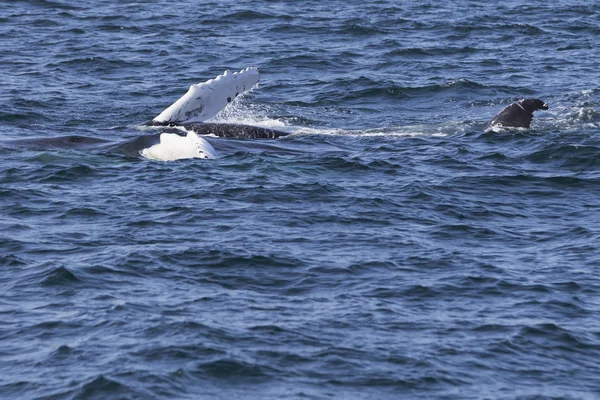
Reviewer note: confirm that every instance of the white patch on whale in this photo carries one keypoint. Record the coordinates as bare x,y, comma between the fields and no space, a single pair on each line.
175,147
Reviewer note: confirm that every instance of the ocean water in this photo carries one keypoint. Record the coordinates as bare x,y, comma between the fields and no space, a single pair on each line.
388,248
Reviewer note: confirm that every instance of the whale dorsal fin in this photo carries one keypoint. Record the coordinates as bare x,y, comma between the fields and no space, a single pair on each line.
205,100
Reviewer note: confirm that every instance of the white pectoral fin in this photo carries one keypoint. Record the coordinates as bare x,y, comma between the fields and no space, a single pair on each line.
205,100
175,147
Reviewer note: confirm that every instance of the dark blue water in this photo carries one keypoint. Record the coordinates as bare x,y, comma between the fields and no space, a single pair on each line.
387,249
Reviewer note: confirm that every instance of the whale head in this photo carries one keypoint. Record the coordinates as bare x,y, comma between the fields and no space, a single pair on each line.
533,104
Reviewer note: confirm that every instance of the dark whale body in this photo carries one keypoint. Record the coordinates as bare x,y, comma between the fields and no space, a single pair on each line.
517,115
133,147
232,131
130,148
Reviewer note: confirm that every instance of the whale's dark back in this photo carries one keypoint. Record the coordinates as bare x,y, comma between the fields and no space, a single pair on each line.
61,142
235,131
226,130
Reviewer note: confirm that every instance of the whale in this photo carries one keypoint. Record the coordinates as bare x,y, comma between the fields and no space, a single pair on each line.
182,127
182,130
205,100
517,115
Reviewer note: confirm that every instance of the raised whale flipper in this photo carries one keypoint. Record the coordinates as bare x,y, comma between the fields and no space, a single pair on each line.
518,114
205,100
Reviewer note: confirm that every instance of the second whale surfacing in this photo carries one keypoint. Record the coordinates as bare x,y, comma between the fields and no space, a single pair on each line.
517,115
181,125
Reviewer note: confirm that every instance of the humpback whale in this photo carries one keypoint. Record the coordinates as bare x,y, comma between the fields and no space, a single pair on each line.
182,125
518,114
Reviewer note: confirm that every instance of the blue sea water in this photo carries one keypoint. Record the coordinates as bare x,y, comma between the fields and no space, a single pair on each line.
388,248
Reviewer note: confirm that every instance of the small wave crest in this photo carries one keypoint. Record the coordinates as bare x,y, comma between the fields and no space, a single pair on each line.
386,89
